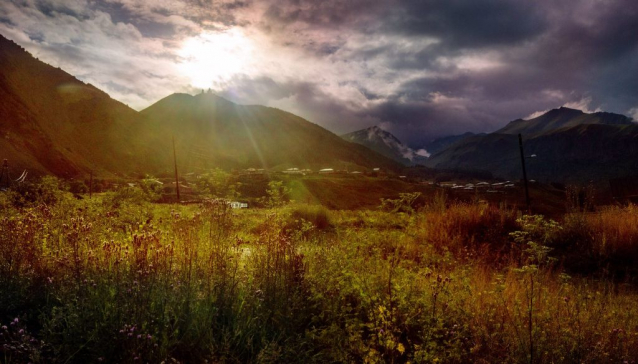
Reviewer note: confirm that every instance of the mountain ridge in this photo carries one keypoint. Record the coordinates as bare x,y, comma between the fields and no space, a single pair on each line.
562,117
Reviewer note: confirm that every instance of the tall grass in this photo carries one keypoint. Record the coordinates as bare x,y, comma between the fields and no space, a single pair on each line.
606,240
93,281
467,228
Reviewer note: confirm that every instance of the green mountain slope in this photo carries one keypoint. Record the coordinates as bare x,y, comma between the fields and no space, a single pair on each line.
54,123
212,131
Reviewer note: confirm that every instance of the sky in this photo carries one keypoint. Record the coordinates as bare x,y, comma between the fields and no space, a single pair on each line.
420,69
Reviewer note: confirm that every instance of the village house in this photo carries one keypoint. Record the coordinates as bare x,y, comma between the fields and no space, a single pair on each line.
238,205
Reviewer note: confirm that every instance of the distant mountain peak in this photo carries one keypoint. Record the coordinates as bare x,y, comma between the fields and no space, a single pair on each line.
385,143
562,117
564,109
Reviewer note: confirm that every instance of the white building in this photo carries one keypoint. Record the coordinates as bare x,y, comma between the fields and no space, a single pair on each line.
238,205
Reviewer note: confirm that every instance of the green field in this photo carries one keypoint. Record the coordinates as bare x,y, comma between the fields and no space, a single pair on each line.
118,278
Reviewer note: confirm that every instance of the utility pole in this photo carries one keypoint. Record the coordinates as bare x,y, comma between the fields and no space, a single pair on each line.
520,146
5,174
176,179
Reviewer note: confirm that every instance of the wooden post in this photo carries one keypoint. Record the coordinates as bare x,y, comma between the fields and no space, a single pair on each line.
520,146
176,178
91,186
5,174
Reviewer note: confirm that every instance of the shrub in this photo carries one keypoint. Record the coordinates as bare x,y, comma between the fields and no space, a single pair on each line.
316,215
48,190
147,190
277,194
407,202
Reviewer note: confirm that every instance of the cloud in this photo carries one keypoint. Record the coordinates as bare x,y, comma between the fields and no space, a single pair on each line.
422,69
583,105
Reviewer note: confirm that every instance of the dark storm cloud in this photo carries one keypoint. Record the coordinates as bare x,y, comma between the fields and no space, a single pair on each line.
422,68
467,24
547,54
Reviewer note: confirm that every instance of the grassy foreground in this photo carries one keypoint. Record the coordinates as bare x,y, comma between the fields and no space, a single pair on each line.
118,279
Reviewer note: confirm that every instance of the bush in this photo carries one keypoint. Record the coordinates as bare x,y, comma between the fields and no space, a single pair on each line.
49,190
278,194
317,215
407,202
147,190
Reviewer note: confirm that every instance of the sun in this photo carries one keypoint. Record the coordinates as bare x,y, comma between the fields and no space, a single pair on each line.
211,59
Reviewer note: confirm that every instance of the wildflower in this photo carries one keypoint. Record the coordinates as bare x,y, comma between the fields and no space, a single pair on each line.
401,348
149,336
4,327
139,336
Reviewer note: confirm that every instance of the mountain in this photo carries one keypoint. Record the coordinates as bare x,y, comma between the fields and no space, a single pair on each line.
562,118
384,143
53,123
570,146
212,131
439,144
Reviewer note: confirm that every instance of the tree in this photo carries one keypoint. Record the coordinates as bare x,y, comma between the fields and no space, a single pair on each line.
278,194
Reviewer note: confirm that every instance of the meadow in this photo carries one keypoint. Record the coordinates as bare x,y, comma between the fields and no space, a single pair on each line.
119,278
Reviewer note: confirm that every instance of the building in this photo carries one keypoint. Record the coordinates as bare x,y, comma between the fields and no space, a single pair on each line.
293,171
326,171
238,205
